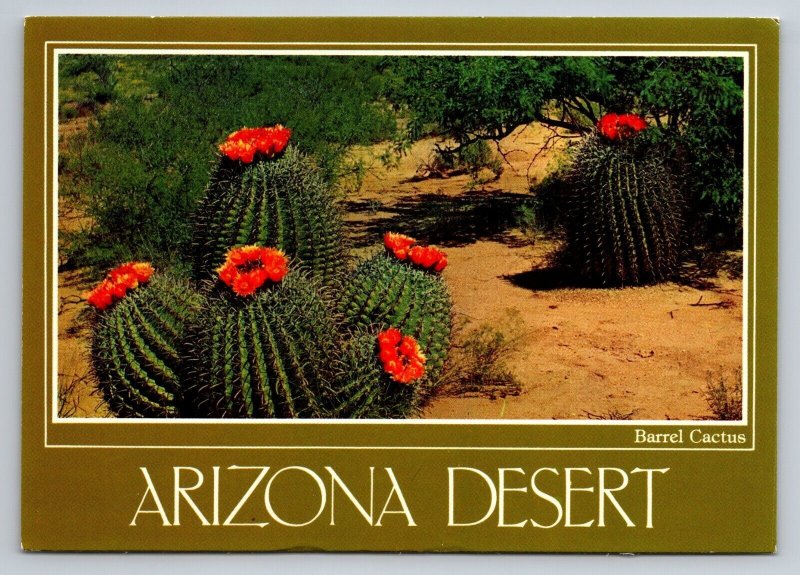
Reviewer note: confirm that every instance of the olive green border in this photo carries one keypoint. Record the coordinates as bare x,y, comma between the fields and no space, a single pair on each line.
717,481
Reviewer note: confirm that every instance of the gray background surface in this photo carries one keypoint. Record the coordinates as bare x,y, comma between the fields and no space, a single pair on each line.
13,561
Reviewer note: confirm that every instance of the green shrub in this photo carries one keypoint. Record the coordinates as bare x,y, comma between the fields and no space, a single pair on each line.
724,399
479,363
140,173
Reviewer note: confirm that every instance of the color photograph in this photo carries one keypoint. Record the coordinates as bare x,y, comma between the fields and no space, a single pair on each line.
508,236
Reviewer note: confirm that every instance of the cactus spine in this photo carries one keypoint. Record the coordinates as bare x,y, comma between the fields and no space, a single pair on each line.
624,215
270,355
137,349
364,390
384,292
281,202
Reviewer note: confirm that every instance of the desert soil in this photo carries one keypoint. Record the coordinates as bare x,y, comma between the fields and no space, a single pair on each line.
634,353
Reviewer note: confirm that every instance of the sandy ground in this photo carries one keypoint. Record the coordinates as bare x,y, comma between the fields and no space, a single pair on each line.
77,394
636,353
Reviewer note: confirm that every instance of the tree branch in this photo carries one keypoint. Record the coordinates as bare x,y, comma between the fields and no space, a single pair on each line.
571,126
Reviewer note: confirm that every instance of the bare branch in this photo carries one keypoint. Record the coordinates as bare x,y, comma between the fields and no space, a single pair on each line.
571,126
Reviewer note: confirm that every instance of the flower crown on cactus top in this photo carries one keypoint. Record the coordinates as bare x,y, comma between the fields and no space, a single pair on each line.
244,144
404,248
247,268
118,282
616,127
400,356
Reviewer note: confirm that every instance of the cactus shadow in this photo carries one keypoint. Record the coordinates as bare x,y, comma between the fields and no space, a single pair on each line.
556,272
547,278
436,218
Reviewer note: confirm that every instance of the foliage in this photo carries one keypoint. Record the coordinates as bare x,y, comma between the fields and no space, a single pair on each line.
86,82
144,163
546,203
696,104
479,364
470,158
725,399
468,98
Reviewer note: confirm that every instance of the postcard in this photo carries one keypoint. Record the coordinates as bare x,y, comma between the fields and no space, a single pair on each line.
400,284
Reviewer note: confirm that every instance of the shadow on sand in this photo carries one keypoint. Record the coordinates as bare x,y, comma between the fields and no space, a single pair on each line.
440,219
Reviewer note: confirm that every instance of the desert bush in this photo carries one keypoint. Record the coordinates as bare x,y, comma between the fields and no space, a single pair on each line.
144,164
724,398
479,363
86,82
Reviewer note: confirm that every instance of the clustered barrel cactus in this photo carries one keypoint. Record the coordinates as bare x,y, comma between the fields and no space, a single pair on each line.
282,202
623,223
264,356
385,292
137,349
274,323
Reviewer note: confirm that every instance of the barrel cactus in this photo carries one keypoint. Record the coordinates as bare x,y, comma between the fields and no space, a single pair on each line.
137,344
623,221
401,289
266,193
264,346
365,389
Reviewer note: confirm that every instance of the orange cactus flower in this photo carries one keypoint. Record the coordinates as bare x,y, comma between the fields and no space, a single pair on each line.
101,296
400,356
404,248
398,244
389,338
247,268
118,282
617,127
244,144
428,257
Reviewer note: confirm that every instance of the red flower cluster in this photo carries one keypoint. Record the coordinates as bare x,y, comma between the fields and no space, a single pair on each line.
247,142
398,244
117,283
620,126
404,248
428,257
401,356
247,268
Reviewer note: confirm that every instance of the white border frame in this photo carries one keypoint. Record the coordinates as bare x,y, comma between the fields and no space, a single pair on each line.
471,49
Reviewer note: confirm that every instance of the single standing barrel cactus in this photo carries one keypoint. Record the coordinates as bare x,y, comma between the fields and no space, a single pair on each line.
401,289
262,351
267,194
137,344
623,219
